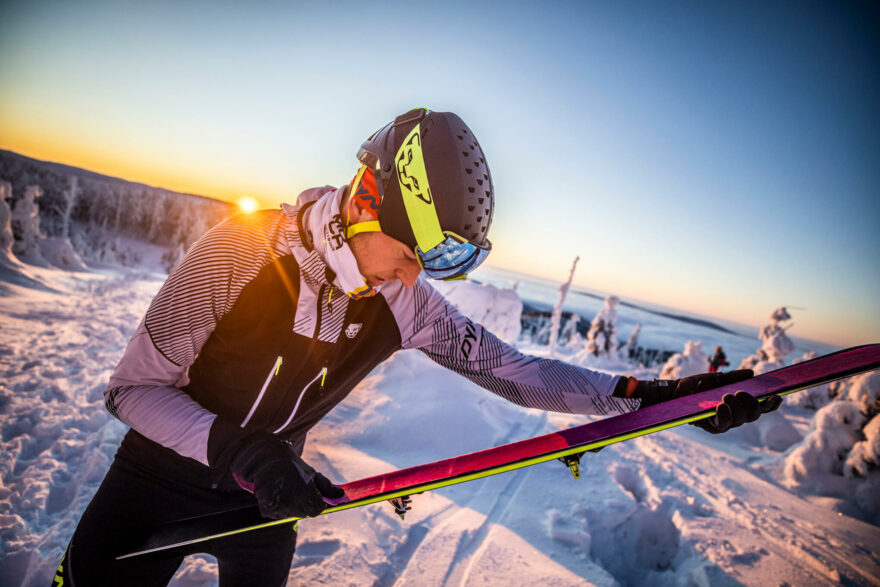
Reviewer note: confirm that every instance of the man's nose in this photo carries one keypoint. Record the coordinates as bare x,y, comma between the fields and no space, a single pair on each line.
409,273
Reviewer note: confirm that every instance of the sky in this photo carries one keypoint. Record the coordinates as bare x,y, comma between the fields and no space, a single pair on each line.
715,157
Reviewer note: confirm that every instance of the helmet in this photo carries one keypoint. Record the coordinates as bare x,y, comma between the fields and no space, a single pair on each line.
433,182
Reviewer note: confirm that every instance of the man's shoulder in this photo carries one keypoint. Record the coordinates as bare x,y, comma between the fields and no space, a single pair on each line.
257,228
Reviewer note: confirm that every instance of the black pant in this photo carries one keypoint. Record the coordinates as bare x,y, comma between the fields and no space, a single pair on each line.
147,485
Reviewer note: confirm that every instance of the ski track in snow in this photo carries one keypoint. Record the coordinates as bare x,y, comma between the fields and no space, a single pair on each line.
678,507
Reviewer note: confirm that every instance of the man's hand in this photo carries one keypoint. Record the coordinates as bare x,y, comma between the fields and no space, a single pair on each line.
285,485
734,410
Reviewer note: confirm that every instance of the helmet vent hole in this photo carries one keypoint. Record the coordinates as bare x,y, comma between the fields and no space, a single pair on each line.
464,153
469,171
471,189
479,182
461,138
471,208
488,194
476,163
479,218
468,226
481,200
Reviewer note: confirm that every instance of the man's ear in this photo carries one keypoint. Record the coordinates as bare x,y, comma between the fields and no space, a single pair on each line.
356,214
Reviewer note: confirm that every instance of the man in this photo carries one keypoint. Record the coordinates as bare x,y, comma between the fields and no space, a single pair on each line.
272,318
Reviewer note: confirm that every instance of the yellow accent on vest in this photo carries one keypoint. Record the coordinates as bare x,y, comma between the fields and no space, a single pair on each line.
368,226
416,193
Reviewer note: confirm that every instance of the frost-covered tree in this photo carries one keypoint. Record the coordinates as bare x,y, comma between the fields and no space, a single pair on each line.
690,362
632,343
6,237
775,345
602,336
569,337
26,227
556,316
840,455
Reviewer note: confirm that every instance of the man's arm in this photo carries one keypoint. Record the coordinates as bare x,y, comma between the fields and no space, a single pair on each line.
455,342
144,390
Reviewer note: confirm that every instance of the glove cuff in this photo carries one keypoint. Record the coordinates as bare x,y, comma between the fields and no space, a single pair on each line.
625,388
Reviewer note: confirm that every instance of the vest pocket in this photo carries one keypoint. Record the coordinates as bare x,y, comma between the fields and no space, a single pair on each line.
321,374
272,373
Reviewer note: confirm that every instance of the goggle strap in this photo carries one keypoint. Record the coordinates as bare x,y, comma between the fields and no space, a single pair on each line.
416,193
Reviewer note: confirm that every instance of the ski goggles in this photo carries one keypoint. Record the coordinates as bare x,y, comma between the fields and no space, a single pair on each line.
453,258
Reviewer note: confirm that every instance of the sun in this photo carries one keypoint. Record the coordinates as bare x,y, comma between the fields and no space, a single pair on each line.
247,204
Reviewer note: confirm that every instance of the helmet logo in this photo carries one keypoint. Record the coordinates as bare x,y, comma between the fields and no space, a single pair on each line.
406,179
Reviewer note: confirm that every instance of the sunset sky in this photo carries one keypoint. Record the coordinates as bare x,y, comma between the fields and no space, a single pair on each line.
718,157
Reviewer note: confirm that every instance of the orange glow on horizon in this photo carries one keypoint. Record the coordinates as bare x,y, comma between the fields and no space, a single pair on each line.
121,163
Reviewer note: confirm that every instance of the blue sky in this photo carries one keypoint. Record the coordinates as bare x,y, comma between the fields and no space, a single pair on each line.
717,157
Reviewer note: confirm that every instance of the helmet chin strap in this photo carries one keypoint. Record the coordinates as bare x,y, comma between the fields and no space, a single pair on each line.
368,226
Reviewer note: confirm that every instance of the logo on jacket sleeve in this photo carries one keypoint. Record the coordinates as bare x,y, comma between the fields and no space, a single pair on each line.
352,330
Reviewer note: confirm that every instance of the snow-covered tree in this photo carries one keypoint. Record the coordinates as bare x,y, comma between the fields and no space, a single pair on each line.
6,237
775,345
632,343
569,337
690,362
26,227
602,336
556,316
840,456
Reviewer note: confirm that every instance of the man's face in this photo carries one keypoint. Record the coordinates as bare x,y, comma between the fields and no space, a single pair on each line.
381,259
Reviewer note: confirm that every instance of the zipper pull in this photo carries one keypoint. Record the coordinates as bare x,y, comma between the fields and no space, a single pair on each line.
323,377
278,365
330,300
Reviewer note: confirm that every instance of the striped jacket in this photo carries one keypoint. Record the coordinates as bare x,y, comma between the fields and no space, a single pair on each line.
251,327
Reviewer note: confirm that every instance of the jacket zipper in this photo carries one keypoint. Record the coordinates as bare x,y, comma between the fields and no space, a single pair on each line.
322,374
272,373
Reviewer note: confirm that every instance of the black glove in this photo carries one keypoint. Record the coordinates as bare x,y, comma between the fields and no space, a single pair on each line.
734,409
285,485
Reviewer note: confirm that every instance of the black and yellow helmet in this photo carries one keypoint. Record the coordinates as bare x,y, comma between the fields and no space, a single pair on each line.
433,181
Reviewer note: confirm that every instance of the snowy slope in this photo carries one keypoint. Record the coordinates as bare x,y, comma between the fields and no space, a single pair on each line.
678,507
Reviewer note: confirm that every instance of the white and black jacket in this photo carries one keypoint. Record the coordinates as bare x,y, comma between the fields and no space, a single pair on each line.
251,327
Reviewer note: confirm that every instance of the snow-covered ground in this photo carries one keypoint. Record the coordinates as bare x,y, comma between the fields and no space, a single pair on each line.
675,508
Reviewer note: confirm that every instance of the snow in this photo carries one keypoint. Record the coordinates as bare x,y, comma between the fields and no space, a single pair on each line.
495,308
680,507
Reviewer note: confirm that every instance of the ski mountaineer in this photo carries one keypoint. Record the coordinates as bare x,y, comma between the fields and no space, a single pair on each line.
718,360
273,317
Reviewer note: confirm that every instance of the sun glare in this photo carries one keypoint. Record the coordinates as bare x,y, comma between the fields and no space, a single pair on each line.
247,204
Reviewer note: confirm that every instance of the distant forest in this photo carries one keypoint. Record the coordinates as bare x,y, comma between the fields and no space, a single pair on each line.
101,215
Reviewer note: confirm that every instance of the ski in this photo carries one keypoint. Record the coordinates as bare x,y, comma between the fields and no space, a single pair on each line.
566,445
